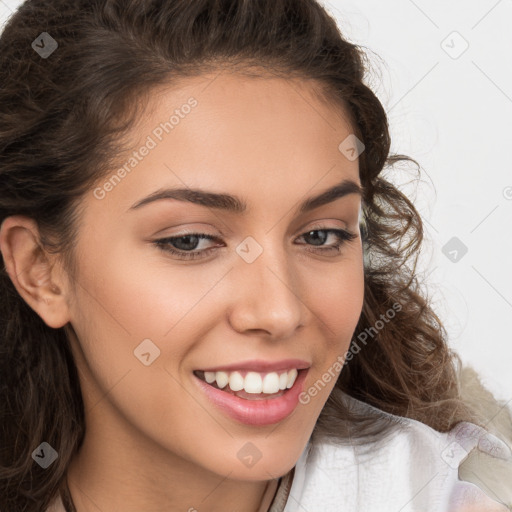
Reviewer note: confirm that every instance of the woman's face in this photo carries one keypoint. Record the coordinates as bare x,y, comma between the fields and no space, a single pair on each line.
262,296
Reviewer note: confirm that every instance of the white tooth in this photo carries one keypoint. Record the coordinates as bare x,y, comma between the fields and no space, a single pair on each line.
222,379
271,383
209,377
292,375
283,380
236,381
253,383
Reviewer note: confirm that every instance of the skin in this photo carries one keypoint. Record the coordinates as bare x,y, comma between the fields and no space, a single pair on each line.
153,439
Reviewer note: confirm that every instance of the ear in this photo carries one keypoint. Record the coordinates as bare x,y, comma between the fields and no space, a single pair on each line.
32,271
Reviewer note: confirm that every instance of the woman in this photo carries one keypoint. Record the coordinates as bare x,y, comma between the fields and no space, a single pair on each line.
209,298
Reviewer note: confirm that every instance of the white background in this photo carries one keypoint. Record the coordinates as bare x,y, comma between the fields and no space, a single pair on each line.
452,112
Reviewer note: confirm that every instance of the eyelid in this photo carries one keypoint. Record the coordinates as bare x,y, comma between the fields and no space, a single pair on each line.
192,229
322,225
317,225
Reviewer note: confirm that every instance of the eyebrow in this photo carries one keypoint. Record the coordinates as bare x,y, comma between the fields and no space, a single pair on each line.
234,204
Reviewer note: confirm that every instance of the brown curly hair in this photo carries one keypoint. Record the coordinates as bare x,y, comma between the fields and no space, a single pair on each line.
62,123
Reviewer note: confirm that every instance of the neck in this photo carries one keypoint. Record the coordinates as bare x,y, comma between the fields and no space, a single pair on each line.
102,482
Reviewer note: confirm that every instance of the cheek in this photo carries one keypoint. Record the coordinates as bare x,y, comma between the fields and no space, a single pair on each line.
150,298
336,297
121,303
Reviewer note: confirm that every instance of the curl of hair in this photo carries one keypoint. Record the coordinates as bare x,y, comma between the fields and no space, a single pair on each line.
62,124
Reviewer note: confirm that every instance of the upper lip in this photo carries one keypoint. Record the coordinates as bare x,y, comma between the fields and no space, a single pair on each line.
260,365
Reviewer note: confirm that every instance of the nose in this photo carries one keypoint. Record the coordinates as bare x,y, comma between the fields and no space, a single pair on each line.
267,295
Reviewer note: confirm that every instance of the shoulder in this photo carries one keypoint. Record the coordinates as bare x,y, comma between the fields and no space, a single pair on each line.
413,467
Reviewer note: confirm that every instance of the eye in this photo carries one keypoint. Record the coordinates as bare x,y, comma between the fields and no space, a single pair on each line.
341,236
190,239
184,247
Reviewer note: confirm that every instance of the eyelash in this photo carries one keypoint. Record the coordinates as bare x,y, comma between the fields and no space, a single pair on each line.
164,243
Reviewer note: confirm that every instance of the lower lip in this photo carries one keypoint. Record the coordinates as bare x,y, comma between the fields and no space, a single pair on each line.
256,412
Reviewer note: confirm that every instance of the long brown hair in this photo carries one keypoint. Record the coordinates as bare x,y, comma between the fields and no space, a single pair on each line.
62,123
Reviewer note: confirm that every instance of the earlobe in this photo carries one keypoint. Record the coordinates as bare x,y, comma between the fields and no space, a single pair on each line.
30,270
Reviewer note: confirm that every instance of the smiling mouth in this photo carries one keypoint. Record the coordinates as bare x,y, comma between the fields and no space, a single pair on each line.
251,385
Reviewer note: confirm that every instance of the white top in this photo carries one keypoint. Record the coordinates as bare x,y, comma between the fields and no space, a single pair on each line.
413,469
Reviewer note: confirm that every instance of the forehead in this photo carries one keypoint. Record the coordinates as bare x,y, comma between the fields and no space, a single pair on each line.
258,137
